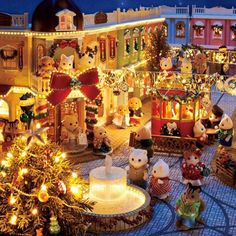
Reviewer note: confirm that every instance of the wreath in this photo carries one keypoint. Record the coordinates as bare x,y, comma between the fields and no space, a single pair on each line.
217,27
62,44
233,27
8,57
198,27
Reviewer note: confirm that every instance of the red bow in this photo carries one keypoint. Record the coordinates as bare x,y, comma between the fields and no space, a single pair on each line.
61,86
65,43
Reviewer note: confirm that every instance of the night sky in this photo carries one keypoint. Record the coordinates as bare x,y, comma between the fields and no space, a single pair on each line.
89,6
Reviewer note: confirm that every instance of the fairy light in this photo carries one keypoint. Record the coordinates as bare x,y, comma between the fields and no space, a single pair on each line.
38,126
12,200
3,173
9,155
57,159
63,155
34,211
23,154
13,220
43,187
74,175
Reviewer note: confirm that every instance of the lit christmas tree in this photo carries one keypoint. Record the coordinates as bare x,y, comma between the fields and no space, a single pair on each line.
38,191
157,47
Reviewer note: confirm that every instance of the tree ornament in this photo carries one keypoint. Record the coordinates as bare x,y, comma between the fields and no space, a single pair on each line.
54,226
39,232
62,187
43,194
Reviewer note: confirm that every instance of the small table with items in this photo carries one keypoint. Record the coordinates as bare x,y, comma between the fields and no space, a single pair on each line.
211,134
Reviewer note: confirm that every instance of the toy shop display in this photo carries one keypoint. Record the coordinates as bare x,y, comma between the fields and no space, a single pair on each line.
135,109
138,168
101,142
121,117
189,208
226,131
160,183
193,170
143,140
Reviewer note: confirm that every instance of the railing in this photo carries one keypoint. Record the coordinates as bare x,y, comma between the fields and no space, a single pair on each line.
19,21
42,86
181,10
215,11
199,10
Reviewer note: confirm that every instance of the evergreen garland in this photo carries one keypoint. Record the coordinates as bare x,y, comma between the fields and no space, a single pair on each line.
7,57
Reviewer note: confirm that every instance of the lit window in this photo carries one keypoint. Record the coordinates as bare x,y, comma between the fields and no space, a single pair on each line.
8,58
198,29
170,110
217,30
66,20
187,111
180,30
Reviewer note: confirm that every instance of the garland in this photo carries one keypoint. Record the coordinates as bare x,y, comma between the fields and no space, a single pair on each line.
119,219
217,27
180,99
233,27
54,46
195,27
7,57
186,47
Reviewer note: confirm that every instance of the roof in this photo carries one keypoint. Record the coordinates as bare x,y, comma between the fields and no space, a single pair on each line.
89,6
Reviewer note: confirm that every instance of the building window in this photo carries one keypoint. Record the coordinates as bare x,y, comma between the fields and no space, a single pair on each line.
40,54
198,30
102,43
165,29
66,20
143,40
233,31
127,48
136,39
180,30
8,56
217,31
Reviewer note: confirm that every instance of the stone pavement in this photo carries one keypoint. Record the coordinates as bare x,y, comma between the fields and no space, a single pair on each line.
220,213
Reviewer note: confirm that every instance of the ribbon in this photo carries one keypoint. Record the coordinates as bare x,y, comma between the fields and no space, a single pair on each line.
61,86
65,43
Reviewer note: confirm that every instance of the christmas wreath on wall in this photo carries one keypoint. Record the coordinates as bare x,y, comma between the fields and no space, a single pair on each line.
5,56
62,44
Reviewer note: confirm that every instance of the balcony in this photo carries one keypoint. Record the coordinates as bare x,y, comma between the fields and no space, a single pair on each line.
8,21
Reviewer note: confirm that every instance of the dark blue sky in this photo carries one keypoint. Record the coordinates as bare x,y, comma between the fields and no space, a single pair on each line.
92,6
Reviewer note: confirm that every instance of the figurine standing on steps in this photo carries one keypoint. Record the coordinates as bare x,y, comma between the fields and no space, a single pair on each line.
226,131
144,141
189,208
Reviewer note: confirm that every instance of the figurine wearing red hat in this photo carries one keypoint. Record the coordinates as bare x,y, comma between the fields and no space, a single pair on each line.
193,170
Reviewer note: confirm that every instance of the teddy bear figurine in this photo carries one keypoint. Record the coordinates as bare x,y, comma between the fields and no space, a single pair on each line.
135,111
189,207
226,131
200,133
66,64
186,69
121,117
138,168
160,183
143,140
193,170
46,67
101,142
70,132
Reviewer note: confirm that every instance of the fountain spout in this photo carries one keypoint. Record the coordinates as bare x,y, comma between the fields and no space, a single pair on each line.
108,165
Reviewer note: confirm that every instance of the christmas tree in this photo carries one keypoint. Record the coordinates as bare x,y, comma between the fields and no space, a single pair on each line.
39,193
157,47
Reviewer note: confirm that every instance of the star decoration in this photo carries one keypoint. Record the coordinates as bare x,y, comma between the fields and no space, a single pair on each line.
36,135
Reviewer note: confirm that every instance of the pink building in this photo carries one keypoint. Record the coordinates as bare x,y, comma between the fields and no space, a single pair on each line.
213,27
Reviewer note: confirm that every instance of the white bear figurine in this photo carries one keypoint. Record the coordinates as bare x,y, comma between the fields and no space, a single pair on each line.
138,168
226,131
66,64
159,183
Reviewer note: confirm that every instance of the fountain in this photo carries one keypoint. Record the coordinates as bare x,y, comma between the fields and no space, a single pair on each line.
118,206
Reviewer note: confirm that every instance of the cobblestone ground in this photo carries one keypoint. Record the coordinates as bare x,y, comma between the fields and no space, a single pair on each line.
220,213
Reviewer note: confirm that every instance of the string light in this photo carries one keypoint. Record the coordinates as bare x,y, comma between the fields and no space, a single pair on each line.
74,175
13,220
12,200
34,211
